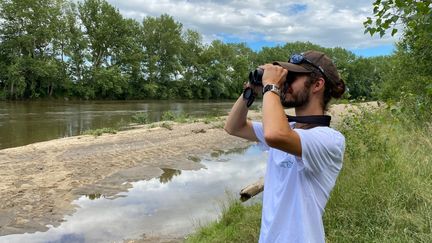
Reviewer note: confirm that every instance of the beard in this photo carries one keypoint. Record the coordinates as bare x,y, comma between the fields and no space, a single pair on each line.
292,100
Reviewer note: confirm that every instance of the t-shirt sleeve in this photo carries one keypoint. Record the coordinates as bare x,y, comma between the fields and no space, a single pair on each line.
321,148
259,133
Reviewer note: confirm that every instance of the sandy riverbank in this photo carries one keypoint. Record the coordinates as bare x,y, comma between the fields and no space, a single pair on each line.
39,181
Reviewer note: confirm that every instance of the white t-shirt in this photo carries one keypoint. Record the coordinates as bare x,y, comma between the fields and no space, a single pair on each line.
296,189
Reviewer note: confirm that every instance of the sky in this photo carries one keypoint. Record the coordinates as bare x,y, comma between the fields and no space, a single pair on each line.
264,23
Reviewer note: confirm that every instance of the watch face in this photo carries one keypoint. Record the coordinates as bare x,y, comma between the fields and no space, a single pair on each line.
247,93
271,87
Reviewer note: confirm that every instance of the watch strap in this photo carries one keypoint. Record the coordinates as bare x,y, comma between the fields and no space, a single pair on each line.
273,88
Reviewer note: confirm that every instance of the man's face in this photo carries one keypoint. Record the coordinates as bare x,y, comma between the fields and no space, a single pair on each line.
297,93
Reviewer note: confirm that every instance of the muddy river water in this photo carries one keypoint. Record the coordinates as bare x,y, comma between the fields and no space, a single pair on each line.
23,122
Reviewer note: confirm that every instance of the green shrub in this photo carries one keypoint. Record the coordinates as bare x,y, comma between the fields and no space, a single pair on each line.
141,118
167,125
168,116
171,116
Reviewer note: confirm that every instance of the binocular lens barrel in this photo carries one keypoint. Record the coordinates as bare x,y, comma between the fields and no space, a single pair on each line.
255,77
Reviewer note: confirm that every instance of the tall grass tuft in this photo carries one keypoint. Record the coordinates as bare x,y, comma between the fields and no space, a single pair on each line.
171,116
238,223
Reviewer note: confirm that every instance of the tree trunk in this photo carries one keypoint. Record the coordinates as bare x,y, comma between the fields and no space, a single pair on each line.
98,60
12,90
51,89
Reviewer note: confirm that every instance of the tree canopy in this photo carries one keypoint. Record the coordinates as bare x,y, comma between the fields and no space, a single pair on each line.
88,50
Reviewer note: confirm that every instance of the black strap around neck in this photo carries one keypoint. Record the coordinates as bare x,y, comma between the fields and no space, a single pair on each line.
316,120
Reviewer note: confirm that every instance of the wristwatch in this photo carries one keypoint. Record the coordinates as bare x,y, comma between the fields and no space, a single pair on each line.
273,88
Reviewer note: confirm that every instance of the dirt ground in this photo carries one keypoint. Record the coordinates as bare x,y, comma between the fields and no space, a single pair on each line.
39,181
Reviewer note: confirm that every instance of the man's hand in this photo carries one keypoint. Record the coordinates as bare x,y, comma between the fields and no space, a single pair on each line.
274,74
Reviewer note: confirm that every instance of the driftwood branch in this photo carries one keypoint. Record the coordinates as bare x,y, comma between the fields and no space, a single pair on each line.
252,190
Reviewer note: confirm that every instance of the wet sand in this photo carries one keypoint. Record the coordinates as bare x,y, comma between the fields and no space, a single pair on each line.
39,181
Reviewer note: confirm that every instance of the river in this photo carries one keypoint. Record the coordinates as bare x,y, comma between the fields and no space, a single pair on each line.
26,122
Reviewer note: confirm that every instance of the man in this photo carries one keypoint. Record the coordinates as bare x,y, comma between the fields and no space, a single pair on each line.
306,156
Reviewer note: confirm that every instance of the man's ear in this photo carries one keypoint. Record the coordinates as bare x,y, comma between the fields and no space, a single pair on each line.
318,85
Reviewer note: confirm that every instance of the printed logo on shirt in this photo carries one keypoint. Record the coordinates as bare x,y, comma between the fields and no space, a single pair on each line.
287,163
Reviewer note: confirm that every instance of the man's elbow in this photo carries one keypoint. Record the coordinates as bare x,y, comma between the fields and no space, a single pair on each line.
287,142
273,139
228,129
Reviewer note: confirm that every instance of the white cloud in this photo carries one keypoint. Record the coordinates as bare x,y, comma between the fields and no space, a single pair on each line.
327,23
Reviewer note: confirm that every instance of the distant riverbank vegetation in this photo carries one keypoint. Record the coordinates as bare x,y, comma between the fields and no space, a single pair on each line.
88,50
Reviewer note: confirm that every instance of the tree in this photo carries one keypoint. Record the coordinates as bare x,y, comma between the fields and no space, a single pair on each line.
105,32
103,29
75,45
224,68
411,15
128,55
162,44
363,75
28,33
412,73
191,53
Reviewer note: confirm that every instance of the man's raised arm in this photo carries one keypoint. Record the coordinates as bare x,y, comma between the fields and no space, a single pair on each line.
237,123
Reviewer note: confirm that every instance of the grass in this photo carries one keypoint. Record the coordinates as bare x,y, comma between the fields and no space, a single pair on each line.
169,116
219,125
100,131
383,193
141,118
167,125
238,223
167,120
209,119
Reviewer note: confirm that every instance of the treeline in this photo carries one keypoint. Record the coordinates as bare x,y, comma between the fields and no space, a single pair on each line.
88,50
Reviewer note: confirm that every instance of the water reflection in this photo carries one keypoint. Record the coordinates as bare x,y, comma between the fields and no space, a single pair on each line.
194,158
94,196
173,204
217,153
168,174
